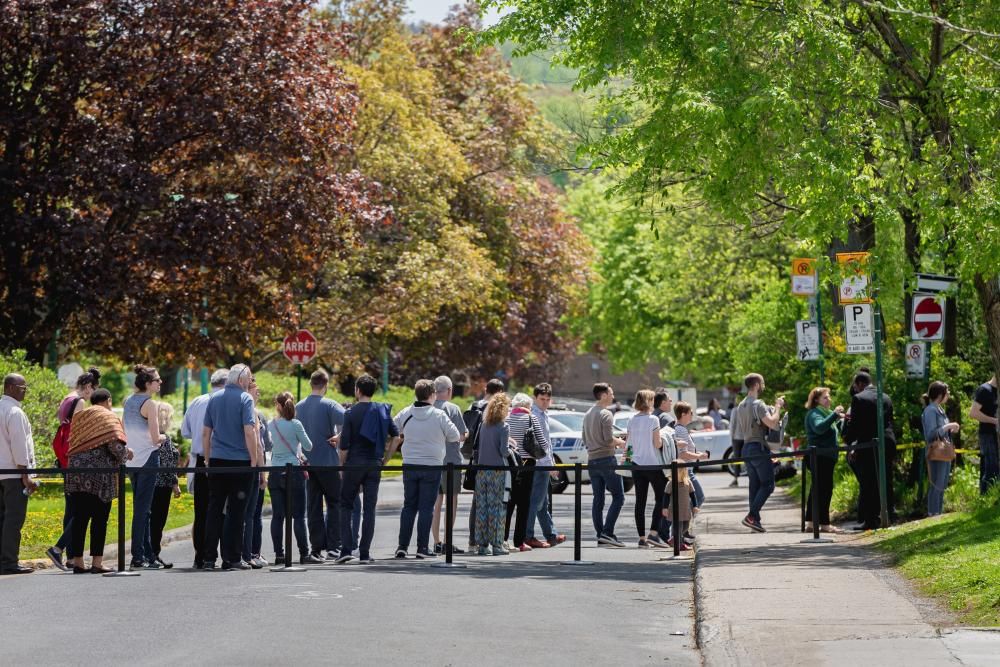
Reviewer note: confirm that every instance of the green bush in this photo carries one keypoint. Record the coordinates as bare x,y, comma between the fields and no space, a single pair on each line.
41,403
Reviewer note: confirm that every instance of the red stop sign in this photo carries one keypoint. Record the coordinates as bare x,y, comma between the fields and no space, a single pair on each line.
928,318
300,347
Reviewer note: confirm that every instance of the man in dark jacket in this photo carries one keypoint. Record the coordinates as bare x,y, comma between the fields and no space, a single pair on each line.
862,428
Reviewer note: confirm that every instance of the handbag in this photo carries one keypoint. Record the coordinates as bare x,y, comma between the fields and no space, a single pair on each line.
941,450
531,445
303,462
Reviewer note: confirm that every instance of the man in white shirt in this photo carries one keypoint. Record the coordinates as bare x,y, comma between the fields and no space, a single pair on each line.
17,450
192,429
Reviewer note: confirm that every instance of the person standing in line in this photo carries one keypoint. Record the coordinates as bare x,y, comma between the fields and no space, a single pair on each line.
425,430
755,417
645,441
737,436
289,440
521,421
984,411
494,448
367,426
539,508
322,419
453,454
822,429
686,450
17,450
600,441
936,427
230,440
192,427
663,407
863,429
715,412
73,403
142,430
473,418
97,441
167,485
254,527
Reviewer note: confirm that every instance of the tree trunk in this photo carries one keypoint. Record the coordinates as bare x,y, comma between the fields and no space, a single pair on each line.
988,290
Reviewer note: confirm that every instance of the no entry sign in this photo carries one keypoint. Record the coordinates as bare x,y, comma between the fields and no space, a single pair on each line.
927,318
300,347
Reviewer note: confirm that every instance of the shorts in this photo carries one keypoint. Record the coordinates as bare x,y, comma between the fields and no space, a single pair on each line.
456,481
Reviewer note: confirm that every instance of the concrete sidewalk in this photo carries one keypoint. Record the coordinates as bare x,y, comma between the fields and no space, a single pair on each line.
767,599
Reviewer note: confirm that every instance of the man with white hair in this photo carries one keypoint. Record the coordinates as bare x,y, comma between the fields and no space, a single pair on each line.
443,389
192,429
229,438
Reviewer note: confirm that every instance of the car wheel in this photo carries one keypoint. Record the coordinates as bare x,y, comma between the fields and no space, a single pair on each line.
731,468
558,485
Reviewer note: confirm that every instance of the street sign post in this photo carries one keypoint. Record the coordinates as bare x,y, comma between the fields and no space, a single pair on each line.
803,277
858,328
855,283
916,360
300,348
807,339
927,318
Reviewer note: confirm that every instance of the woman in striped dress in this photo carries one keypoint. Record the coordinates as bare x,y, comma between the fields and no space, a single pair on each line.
520,421
494,447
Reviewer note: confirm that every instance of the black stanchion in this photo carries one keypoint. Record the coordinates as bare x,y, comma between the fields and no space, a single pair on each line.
288,567
449,523
814,492
802,497
578,517
121,572
676,532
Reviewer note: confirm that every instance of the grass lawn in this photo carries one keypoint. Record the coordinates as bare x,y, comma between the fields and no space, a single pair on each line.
955,558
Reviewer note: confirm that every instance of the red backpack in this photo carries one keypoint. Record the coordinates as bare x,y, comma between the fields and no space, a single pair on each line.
60,443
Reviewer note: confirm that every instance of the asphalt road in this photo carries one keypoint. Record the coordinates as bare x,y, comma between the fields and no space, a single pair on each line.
629,607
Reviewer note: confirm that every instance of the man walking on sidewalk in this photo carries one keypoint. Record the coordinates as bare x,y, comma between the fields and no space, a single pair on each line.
601,443
754,417
192,428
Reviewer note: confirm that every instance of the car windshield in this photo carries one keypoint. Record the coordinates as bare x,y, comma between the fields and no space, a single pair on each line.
573,421
558,427
621,420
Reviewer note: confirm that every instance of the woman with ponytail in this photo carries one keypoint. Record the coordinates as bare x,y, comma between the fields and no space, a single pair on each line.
142,430
289,440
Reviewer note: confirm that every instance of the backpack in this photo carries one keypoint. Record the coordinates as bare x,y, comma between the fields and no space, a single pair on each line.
473,418
60,443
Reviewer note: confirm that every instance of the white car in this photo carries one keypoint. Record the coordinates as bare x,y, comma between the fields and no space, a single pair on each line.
567,447
718,443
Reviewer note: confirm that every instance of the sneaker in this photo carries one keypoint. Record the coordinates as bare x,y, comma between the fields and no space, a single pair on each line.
426,554
610,540
457,550
688,540
56,557
310,559
152,565
164,564
753,524
501,551
332,555
198,564
253,563
208,565
366,560
484,551
400,553
318,555
656,541
684,547
279,559
734,484
508,546
556,539
643,544
439,548
136,565
536,543
238,565
524,547
346,558
259,562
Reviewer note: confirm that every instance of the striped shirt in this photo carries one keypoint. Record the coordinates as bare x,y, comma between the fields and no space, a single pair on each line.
519,422
683,439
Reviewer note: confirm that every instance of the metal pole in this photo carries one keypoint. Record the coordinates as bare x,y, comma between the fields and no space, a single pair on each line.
449,524
288,524
819,325
298,377
122,572
187,379
385,371
814,501
204,380
578,516
882,491
675,509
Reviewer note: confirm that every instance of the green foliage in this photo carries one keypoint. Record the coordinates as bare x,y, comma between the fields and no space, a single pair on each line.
41,403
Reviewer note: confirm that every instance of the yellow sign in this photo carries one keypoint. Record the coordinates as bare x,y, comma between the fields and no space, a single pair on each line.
803,277
855,283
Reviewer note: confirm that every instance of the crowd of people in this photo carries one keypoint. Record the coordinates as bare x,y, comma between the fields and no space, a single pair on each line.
333,512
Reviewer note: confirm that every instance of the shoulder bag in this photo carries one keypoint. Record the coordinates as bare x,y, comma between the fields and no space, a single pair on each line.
303,462
941,449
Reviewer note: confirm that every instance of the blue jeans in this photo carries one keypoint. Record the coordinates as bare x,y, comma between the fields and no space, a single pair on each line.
602,480
761,474
420,491
539,507
989,461
143,486
939,471
254,523
277,486
699,494
356,482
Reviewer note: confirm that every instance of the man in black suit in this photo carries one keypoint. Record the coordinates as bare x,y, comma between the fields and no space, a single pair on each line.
862,428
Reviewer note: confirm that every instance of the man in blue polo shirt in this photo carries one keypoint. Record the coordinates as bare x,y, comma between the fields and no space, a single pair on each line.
229,439
322,417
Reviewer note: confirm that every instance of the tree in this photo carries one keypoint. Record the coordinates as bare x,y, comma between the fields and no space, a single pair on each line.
852,121
168,169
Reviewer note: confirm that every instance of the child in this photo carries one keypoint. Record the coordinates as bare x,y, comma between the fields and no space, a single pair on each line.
686,449
684,497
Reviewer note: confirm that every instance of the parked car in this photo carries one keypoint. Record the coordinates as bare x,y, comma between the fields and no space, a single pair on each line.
567,447
719,444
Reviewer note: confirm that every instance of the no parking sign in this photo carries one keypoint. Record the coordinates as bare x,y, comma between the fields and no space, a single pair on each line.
916,359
